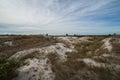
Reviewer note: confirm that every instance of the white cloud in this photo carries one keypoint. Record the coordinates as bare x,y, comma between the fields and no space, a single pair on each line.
51,15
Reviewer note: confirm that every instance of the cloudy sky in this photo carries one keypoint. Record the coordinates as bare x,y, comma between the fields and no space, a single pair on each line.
59,16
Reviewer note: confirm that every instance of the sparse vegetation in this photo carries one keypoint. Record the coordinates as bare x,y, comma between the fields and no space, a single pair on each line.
78,70
85,49
23,42
53,57
32,55
73,68
64,70
116,48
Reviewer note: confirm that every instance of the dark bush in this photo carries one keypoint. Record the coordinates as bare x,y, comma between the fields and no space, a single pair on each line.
8,68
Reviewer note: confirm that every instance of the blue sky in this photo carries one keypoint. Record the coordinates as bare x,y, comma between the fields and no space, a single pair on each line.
59,16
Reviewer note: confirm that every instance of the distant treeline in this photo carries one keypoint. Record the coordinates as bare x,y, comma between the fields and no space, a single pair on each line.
75,35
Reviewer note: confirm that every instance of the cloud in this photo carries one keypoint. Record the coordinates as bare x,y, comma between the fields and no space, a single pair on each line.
59,16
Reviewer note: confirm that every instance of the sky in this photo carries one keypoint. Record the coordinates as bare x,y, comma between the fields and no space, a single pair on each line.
59,17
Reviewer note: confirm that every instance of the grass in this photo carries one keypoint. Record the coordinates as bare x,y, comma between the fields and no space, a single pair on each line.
23,42
105,73
78,70
64,70
116,48
85,49
32,55
53,57
73,69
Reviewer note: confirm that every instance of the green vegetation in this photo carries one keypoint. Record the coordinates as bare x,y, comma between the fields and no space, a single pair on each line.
8,68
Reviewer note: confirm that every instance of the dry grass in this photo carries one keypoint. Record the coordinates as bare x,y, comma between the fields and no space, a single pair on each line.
72,69
32,55
22,43
53,57
78,70
85,49
103,73
116,48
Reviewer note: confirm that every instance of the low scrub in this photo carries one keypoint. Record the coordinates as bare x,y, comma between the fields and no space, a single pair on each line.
8,69
85,50
24,42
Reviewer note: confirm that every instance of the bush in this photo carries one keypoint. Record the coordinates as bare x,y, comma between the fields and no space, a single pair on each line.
8,68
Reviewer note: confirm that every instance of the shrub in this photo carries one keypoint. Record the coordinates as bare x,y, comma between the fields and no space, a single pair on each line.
8,68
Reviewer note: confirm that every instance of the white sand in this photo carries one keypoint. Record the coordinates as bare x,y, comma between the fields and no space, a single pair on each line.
107,45
36,69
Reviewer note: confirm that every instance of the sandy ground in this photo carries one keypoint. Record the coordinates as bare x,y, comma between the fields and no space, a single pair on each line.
107,45
36,69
